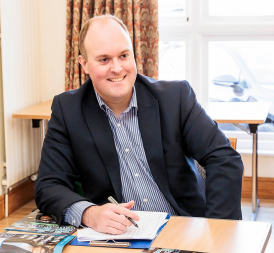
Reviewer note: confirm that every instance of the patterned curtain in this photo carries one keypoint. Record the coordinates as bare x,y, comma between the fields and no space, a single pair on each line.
141,19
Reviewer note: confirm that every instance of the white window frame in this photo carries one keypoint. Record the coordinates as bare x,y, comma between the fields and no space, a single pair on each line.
197,30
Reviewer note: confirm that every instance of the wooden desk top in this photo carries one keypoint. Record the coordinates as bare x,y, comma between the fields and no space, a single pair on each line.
237,112
222,112
200,234
39,111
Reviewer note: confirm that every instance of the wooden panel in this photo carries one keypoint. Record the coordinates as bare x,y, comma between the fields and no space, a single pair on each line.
265,187
2,207
20,195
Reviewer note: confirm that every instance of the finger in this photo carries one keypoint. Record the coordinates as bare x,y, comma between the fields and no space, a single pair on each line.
128,205
120,219
124,211
113,231
117,225
130,214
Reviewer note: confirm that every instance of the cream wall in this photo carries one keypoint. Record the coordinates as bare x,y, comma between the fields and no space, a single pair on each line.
52,18
33,66
265,165
2,138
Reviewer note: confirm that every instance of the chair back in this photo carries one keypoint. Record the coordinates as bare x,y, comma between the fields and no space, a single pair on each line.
233,142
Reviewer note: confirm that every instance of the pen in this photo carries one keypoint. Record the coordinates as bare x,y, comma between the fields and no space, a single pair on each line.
113,201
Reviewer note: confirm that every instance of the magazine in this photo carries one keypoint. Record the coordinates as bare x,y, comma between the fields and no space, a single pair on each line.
37,222
163,250
23,243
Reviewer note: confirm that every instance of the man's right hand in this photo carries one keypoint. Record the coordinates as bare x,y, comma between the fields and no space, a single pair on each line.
109,218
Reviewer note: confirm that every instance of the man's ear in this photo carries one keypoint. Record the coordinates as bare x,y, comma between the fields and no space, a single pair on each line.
83,63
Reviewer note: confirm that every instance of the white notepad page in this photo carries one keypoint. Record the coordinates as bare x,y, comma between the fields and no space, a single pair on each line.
149,224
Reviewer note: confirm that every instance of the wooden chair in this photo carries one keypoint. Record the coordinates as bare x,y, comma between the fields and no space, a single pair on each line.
201,169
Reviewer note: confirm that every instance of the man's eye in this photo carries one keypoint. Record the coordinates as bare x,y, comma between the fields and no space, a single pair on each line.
104,60
124,55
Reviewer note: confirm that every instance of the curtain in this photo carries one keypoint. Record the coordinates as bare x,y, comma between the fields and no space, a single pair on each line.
141,19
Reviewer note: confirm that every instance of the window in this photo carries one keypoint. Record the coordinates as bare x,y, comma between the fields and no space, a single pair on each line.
171,60
240,8
225,49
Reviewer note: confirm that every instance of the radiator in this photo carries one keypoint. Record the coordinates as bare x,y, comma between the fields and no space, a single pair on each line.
21,86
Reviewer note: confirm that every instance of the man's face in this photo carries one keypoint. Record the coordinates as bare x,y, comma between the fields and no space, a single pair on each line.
110,61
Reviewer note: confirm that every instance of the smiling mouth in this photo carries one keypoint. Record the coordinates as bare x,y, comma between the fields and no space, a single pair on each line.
116,79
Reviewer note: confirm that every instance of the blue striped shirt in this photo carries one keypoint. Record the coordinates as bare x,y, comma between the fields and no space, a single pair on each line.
137,181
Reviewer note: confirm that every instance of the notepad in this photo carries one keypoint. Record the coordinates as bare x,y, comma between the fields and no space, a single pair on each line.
149,224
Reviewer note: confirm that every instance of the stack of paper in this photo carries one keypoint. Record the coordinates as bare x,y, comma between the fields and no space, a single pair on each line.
148,225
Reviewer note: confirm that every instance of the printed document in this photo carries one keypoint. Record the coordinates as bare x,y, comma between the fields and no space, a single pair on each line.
149,224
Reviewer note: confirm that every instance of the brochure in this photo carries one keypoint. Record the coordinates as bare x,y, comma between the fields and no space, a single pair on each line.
37,222
23,243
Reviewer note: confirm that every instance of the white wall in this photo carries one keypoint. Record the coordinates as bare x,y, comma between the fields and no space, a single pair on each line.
2,138
21,84
265,165
33,58
52,18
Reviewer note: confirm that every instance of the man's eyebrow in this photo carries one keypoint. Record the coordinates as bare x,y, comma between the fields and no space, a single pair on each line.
106,56
125,51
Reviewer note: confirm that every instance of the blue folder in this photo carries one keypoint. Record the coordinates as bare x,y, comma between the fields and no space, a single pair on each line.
134,244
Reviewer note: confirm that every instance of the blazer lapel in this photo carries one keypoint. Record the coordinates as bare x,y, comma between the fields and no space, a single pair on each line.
150,128
100,130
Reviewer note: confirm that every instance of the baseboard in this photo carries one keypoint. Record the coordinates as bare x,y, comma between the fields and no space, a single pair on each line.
265,187
20,195
2,207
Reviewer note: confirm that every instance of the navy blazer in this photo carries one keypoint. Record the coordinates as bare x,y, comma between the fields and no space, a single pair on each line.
175,130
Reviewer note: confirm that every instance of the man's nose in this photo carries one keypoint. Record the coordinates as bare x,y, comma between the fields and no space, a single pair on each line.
116,66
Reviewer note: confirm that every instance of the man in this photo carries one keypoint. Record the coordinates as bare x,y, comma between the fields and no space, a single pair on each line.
133,138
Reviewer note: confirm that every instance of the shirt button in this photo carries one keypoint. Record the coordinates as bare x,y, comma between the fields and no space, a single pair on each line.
136,175
145,200
118,124
127,150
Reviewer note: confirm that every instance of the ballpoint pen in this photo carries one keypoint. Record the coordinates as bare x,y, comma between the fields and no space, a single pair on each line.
113,201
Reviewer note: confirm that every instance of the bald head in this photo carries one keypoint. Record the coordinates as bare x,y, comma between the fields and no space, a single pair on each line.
98,20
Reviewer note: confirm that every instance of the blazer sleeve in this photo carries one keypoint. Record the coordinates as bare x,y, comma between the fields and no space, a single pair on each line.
54,187
209,146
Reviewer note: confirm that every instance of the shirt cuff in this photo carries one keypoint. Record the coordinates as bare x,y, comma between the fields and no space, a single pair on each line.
73,213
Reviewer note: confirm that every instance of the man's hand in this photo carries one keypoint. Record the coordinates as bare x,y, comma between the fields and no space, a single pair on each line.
109,218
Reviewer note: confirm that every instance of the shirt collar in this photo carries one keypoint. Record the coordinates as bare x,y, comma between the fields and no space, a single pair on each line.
132,103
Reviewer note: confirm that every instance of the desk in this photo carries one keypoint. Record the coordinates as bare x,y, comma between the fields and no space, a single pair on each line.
252,114
37,113
200,234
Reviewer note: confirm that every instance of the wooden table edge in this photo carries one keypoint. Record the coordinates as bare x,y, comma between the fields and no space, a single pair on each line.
22,116
231,121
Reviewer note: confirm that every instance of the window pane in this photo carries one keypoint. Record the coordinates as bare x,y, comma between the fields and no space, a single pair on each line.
172,60
241,8
171,8
242,71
